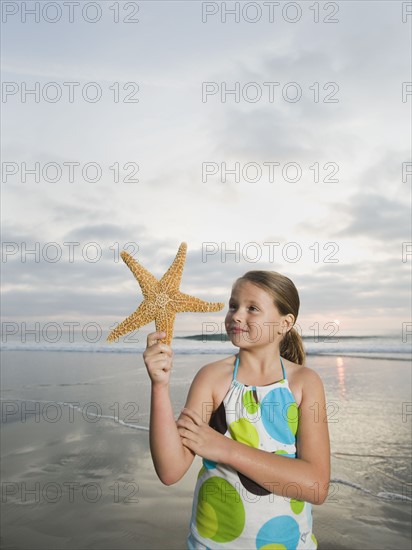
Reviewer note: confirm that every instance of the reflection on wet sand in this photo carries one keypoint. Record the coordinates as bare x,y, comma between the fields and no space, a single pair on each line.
340,372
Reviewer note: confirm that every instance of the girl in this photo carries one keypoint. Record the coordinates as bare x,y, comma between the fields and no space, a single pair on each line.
258,420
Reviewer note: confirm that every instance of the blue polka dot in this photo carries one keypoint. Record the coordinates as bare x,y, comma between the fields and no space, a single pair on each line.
209,464
280,530
284,453
274,412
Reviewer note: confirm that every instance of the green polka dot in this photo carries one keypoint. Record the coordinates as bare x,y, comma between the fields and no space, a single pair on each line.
273,546
209,525
216,496
281,452
297,505
249,402
314,539
281,381
292,417
201,472
244,431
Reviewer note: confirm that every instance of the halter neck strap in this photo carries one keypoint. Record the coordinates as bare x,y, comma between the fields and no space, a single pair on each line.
283,369
236,367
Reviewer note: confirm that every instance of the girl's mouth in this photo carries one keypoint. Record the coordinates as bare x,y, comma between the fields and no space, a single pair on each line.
237,330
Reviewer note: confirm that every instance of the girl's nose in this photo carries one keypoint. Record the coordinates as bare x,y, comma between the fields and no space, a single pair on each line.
238,317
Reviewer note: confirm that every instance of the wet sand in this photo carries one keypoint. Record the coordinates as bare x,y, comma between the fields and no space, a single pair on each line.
77,478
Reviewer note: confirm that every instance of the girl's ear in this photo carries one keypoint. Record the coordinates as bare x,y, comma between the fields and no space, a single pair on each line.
287,322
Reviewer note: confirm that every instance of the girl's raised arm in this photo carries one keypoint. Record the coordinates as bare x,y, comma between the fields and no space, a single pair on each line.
170,458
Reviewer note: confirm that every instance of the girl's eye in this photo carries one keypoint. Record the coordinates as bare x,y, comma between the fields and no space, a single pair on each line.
232,306
253,308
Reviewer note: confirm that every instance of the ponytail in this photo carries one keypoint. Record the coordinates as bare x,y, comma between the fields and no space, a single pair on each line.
291,347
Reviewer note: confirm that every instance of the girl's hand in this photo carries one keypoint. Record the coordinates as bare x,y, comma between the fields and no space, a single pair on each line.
200,438
158,359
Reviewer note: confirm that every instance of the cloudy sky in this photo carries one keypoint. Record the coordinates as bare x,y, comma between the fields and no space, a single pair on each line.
274,138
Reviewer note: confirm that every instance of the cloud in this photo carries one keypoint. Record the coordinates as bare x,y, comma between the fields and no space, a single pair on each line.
170,132
376,217
107,232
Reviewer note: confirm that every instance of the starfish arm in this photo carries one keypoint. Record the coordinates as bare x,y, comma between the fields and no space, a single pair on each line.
162,299
148,282
164,322
185,303
142,316
171,279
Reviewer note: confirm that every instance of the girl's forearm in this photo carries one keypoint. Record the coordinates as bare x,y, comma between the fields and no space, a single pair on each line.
288,477
171,460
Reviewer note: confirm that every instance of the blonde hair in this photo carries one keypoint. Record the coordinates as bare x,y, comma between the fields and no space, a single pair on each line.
286,299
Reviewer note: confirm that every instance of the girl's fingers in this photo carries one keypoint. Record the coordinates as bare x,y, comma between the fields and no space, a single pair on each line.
184,424
154,337
187,429
186,443
154,347
193,416
188,435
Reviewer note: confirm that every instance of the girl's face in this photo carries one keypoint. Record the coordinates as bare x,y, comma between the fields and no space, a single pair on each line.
253,319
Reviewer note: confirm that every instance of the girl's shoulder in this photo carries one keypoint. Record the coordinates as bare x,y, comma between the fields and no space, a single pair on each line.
220,368
224,362
301,379
217,376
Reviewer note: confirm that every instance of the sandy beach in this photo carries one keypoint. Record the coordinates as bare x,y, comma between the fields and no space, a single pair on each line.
79,475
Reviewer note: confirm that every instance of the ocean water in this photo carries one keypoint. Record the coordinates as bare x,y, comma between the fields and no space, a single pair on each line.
54,337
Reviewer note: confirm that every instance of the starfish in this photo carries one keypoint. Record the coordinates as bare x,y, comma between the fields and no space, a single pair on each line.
162,299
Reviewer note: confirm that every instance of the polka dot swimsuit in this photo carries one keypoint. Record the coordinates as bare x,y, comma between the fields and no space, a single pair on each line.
229,509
